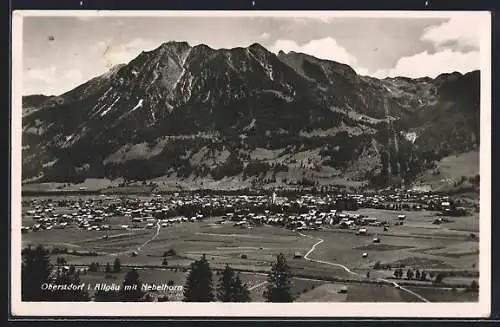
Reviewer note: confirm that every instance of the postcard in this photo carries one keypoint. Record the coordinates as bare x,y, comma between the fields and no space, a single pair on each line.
251,163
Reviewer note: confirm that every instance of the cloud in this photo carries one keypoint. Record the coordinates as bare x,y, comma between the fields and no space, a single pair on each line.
425,64
74,76
46,75
457,44
264,36
418,65
113,54
38,80
361,71
460,29
326,48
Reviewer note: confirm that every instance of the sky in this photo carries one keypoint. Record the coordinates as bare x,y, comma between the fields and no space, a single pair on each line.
60,53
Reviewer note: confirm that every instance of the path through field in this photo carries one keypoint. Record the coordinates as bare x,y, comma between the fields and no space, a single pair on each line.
258,285
158,227
320,240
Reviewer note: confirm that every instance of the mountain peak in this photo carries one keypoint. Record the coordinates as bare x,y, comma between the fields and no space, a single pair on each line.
177,45
257,46
445,77
218,104
203,47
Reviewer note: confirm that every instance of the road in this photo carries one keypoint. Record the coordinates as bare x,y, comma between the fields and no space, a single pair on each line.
158,227
306,256
257,286
394,284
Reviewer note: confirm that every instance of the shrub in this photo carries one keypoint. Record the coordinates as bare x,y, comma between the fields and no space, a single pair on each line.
94,266
474,286
169,253
439,278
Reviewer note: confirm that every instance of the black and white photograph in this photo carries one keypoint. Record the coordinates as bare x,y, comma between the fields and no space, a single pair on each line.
233,163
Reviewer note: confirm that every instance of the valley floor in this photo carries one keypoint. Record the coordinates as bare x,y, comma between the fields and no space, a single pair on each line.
331,257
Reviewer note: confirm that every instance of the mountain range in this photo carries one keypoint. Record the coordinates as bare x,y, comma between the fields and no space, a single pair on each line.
198,116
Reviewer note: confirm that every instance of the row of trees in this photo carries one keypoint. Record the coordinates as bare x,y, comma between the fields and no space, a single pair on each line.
230,288
38,271
417,275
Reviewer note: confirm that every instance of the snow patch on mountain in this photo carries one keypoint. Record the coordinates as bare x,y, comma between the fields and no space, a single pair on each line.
411,136
155,75
207,97
267,68
110,107
351,130
250,126
96,109
50,163
106,93
266,154
182,65
138,105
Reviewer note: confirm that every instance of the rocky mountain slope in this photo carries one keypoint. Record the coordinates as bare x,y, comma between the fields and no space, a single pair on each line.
181,113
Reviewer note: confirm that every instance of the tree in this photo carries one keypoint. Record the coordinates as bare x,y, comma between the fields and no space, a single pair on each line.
117,266
224,289
94,266
231,288
108,268
394,164
131,290
423,275
68,277
474,286
398,273
170,252
278,289
241,292
60,261
198,287
35,271
409,274
439,278
384,158
417,274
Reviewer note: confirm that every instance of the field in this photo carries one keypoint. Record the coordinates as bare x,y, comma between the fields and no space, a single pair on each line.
331,258
452,169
